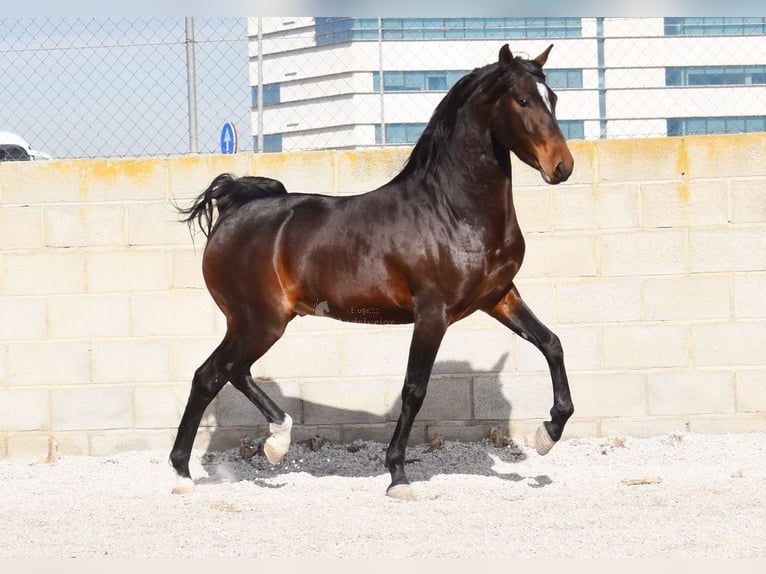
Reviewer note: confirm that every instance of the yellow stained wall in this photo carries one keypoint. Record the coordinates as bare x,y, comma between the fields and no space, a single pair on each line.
650,264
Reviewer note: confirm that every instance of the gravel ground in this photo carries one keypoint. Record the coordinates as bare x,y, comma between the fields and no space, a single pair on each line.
670,496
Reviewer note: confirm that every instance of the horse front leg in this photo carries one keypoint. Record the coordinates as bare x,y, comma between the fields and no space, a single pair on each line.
512,312
426,339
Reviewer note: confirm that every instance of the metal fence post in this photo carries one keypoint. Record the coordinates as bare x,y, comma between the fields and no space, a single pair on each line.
382,84
191,81
260,84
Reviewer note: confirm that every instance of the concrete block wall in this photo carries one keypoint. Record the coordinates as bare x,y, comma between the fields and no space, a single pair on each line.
650,264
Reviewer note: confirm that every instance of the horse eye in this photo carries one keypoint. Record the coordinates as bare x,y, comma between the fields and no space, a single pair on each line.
524,102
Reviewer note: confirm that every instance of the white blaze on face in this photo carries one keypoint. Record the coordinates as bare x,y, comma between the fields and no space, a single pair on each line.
543,89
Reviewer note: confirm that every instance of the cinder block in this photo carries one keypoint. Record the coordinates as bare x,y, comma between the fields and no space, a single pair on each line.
687,298
109,443
640,347
724,156
85,225
601,206
24,410
4,378
44,272
127,270
92,408
21,227
23,318
585,167
540,297
727,250
609,395
181,313
748,200
644,427
124,179
355,171
302,172
156,223
582,350
729,344
474,351
161,406
623,160
85,316
559,256
371,354
72,443
342,402
684,203
691,392
131,361
299,355
233,409
504,396
52,181
749,296
751,391
187,268
598,301
48,363
447,399
534,209
28,445
643,253
728,424
189,353
189,175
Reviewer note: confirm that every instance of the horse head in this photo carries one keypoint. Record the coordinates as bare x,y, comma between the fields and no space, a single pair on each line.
524,117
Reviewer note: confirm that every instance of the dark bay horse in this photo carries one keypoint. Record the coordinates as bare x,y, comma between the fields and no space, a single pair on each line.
435,244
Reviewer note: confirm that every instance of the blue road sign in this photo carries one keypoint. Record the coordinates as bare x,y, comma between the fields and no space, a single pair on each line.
228,138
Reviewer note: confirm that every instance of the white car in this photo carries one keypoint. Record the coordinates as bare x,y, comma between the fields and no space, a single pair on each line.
15,148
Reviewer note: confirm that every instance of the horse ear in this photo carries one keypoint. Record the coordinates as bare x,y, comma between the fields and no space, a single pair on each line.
506,58
542,58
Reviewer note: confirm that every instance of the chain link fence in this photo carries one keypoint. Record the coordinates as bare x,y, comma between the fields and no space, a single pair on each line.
120,87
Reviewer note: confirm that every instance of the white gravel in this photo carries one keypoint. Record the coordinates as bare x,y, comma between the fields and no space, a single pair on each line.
671,496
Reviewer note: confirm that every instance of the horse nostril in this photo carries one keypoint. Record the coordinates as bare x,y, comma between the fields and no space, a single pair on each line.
561,171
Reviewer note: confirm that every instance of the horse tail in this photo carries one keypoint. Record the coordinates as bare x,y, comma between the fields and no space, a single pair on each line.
225,194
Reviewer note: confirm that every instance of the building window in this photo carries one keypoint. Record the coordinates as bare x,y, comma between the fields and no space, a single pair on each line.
335,30
573,129
563,79
715,76
719,125
400,133
429,81
443,80
699,26
271,94
271,143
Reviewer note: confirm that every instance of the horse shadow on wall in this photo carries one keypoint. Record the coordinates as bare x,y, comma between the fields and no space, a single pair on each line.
355,445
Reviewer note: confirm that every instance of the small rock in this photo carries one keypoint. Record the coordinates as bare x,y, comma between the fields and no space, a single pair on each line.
247,448
436,442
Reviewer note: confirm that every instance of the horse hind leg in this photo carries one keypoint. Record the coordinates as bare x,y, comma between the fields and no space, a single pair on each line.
280,423
254,345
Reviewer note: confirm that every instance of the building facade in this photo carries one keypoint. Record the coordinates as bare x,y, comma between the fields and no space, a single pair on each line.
348,83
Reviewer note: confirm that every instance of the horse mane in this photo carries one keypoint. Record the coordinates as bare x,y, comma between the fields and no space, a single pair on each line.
434,144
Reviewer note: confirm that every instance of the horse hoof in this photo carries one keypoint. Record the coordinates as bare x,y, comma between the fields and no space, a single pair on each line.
543,441
277,445
401,492
183,485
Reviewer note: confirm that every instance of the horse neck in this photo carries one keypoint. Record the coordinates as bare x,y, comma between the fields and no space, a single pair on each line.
478,177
